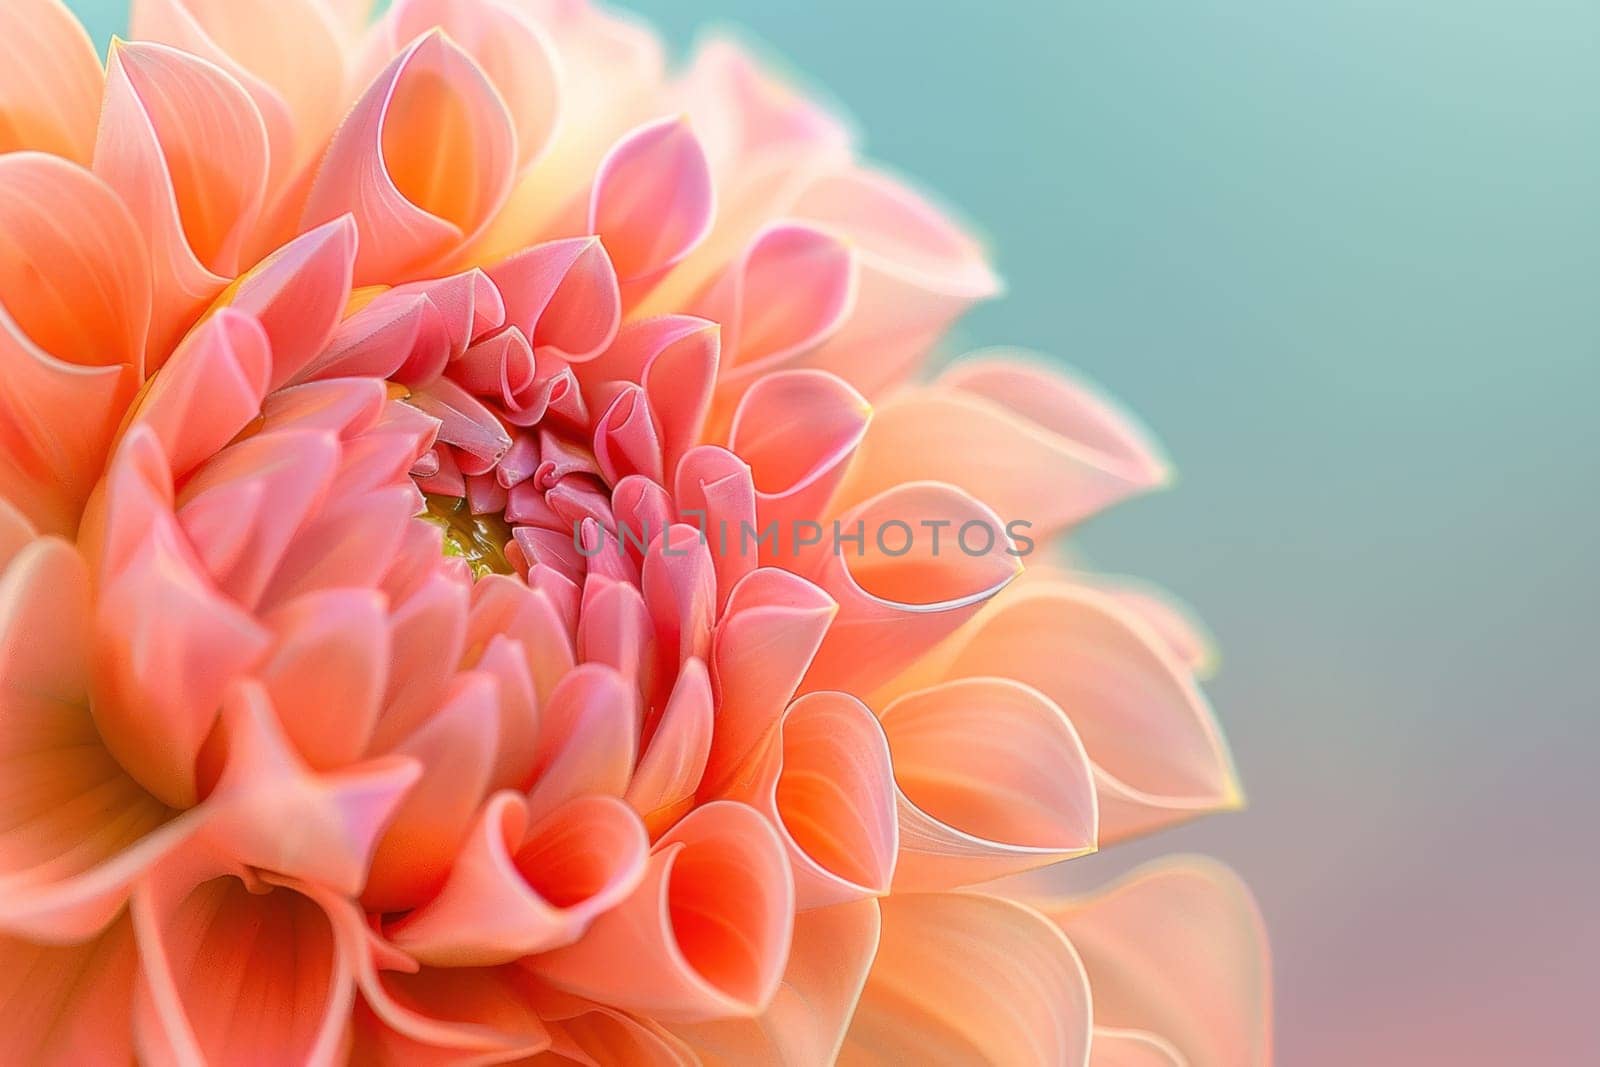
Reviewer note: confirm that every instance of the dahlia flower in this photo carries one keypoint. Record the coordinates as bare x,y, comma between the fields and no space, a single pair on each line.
470,514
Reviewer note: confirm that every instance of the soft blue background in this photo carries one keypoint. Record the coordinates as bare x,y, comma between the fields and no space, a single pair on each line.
1344,257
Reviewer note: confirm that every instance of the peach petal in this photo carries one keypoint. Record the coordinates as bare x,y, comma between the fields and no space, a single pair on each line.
798,430
69,1006
243,509
507,661
78,829
209,390
602,1035
1177,949
57,423
530,615
298,294
236,967
707,932
289,54
918,273
992,779
791,288
663,785
1112,1047
265,787
73,271
970,979
1180,630
327,673
518,889
16,533
159,680
615,629
183,145
507,45
833,951
652,200
715,493
50,88
431,104
350,541
904,587
1158,754
826,782
768,634
446,1017
563,296
680,591
590,738
456,748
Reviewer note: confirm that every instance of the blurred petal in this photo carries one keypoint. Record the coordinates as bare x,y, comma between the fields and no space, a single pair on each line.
68,1006
652,200
50,79
1132,1048
970,979
1177,948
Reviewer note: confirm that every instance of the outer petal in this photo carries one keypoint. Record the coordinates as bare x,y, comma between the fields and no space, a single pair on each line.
970,979
918,274
50,81
652,200
1177,949
1132,1048
237,971
69,1006
423,162
1051,475
900,585
78,828
706,933
798,430
183,145
509,46
74,307
992,779
518,889
1159,757
833,951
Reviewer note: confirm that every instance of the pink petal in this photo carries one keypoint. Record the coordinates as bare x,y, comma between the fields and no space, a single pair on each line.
590,735
69,1006
663,785
456,748
680,591
209,390
562,295
626,439
1158,754
337,816
826,782
236,972
722,860
918,273
993,780
772,626
798,430
423,162
652,200
970,978
183,145
806,1022
51,80
79,829
716,494
298,294
518,889
904,587
510,48
1177,949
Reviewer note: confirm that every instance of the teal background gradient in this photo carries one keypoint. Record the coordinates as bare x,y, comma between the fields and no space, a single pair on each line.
1344,256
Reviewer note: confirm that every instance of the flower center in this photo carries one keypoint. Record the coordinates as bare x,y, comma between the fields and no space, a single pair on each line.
479,539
